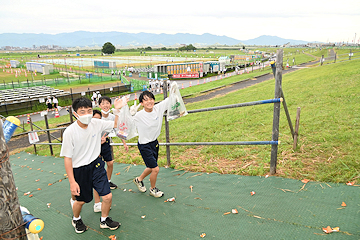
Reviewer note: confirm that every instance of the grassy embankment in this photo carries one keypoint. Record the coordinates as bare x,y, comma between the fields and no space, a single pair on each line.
328,136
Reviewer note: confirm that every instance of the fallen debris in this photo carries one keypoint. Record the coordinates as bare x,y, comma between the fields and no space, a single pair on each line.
170,200
328,229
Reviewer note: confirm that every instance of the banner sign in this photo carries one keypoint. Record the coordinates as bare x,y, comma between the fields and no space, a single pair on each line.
33,137
186,75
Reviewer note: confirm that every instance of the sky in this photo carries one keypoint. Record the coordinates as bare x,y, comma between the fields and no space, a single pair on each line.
307,20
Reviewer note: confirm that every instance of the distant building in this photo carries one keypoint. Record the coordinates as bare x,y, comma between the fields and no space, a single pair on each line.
39,67
14,63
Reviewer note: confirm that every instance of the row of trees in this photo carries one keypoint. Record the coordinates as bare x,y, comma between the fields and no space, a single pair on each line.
109,48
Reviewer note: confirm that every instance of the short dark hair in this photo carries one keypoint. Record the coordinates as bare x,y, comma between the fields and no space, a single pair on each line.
95,111
146,93
81,103
104,98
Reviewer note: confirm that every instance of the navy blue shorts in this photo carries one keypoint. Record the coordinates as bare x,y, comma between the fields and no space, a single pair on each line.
149,153
106,152
92,176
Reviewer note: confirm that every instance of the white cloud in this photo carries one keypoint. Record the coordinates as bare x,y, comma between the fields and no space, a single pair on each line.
302,20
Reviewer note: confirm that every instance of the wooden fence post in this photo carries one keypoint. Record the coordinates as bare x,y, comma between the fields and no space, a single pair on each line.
11,221
48,134
297,123
167,130
276,116
32,129
71,115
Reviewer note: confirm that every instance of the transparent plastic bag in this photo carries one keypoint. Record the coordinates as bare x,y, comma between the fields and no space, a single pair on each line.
126,128
176,105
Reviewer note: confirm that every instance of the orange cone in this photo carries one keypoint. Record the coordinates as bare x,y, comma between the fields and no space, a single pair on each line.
182,86
135,97
198,82
56,113
190,84
161,90
28,119
204,80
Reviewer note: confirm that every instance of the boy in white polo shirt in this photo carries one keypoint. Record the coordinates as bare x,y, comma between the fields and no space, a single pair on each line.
85,169
148,123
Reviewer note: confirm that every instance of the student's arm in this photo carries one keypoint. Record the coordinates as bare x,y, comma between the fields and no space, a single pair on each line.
74,186
119,103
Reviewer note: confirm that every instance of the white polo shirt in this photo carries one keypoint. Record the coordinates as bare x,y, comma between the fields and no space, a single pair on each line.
149,124
84,145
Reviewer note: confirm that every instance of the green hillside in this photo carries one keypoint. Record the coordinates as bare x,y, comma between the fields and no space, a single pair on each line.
328,135
329,128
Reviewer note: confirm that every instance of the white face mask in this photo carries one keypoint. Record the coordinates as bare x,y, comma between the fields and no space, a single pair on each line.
85,119
105,112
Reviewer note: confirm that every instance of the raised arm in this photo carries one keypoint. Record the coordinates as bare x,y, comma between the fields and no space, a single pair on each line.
118,104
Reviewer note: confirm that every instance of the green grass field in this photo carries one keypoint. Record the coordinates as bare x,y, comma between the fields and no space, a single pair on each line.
328,135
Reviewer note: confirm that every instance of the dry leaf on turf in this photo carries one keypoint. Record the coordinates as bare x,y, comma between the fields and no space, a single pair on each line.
227,213
350,183
305,180
39,189
30,195
328,229
203,235
143,216
252,193
117,173
343,204
49,184
234,211
170,200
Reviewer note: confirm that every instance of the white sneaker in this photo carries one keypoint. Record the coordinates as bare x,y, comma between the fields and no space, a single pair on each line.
72,202
97,207
140,185
155,192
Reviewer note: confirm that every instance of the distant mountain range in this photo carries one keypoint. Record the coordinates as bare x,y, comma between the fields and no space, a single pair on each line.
84,38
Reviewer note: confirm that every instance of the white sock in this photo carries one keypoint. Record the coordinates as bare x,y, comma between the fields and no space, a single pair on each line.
103,219
109,180
74,218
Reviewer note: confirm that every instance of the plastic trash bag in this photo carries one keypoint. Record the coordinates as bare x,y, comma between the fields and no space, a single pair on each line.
176,107
126,128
